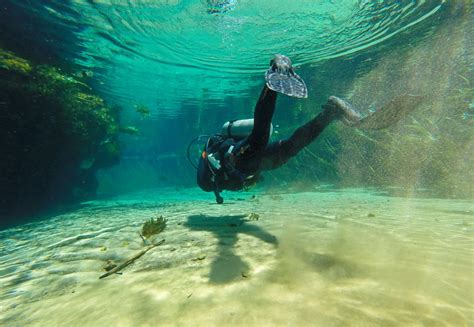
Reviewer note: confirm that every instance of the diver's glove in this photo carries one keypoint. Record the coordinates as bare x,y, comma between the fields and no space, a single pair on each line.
281,77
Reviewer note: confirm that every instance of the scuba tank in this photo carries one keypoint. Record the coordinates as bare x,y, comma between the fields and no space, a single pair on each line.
236,129
211,159
239,129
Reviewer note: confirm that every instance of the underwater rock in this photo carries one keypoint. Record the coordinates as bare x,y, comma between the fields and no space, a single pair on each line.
56,134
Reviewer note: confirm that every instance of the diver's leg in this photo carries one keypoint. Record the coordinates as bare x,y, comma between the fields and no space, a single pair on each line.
262,118
280,77
248,153
278,153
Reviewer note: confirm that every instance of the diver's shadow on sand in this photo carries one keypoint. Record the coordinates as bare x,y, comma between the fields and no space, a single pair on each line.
228,266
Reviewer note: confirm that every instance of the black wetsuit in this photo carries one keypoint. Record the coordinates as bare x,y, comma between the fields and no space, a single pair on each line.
254,154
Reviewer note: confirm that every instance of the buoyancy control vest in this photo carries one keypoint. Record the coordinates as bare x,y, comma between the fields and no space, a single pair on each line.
216,169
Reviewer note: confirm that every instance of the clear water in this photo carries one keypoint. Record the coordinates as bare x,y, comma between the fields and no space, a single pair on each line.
363,228
178,52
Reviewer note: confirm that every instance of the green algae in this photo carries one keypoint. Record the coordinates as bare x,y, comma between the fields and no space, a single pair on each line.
11,62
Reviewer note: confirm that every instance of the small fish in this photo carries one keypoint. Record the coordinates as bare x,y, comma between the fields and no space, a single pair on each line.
142,109
132,130
107,140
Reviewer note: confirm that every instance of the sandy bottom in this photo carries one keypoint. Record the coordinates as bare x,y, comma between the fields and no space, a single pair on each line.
351,257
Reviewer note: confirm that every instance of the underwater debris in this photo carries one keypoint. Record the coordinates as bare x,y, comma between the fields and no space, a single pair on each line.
131,260
110,265
200,258
253,216
152,227
253,198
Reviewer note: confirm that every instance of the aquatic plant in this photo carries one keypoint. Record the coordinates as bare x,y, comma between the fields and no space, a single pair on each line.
11,62
253,216
153,226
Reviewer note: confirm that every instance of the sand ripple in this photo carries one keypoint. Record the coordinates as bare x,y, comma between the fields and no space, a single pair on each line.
350,257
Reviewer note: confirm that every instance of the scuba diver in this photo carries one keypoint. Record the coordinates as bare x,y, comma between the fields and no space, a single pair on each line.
234,159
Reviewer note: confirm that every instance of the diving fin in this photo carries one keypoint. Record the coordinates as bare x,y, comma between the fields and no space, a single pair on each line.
396,109
281,77
343,111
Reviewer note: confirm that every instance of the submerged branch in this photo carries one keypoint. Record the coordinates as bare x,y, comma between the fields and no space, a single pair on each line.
131,260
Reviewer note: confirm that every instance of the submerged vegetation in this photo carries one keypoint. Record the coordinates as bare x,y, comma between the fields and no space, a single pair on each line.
56,134
153,226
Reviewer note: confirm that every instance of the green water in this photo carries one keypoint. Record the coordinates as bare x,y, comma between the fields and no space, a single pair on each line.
100,98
